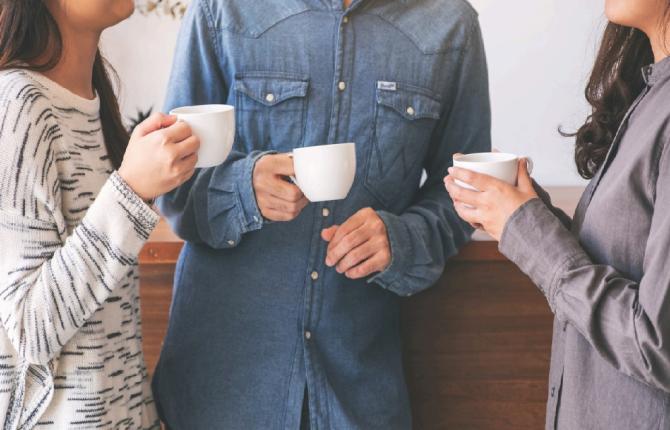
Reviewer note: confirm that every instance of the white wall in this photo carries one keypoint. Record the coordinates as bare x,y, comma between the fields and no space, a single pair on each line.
539,51
140,49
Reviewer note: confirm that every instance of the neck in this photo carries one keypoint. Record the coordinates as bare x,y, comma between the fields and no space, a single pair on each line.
74,71
660,42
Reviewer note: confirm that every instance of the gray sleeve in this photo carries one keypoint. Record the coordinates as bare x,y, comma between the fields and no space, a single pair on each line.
565,219
624,320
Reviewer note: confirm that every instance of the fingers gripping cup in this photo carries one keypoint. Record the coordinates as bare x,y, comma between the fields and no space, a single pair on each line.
500,165
215,127
325,172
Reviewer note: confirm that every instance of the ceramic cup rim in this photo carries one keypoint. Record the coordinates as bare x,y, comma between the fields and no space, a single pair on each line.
201,110
499,157
317,148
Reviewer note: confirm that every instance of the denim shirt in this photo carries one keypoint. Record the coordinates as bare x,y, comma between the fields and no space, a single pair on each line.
257,317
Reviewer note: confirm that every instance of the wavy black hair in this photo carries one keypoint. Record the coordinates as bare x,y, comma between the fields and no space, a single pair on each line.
615,83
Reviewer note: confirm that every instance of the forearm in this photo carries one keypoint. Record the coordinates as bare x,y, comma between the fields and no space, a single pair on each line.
51,288
218,205
422,239
604,306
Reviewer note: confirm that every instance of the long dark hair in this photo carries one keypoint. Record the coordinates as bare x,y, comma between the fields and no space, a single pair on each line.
30,39
616,80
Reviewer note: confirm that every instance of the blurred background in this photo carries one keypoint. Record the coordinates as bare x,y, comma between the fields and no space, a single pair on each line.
539,52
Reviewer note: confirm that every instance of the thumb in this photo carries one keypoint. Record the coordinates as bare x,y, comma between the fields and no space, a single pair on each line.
525,183
327,234
155,122
283,165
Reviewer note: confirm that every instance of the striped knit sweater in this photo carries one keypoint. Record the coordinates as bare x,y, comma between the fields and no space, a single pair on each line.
70,232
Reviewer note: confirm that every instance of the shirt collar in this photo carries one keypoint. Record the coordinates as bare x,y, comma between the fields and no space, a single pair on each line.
339,4
656,72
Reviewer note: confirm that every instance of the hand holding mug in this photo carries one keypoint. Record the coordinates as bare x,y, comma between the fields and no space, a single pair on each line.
494,202
277,198
360,246
161,155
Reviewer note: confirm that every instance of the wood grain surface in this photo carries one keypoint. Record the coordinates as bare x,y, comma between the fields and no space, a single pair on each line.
476,345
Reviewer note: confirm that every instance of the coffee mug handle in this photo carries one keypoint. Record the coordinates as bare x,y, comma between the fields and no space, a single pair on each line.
529,165
295,181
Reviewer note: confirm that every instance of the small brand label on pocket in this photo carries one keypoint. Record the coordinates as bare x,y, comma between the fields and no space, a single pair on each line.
387,86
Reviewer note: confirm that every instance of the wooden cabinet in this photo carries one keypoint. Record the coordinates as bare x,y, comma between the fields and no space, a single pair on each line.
476,348
476,345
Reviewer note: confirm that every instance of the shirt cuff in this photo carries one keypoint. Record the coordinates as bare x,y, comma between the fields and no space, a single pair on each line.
251,217
536,241
401,247
122,215
145,214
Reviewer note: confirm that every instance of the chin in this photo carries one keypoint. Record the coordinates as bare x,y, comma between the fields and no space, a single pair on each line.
123,10
130,8
640,14
622,12
616,14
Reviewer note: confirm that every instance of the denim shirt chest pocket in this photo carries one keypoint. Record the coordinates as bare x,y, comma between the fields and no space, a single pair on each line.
404,120
271,110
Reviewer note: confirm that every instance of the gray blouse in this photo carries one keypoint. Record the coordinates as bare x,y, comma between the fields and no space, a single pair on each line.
606,275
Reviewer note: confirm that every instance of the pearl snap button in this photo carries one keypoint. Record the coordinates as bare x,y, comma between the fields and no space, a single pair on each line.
325,212
410,111
314,276
270,98
342,86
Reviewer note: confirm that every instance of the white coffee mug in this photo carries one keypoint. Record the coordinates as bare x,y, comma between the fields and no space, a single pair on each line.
500,165
215,126
325,172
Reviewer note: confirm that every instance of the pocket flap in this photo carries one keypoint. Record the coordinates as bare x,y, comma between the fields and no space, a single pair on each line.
271,90
412,103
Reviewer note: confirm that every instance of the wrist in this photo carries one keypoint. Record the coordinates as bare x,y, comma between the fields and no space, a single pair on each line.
130,182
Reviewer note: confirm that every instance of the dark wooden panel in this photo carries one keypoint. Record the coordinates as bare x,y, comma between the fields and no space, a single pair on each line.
477,350
476,345
156,295
167,252
160,253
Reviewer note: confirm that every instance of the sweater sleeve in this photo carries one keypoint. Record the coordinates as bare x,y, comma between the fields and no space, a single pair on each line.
54,278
